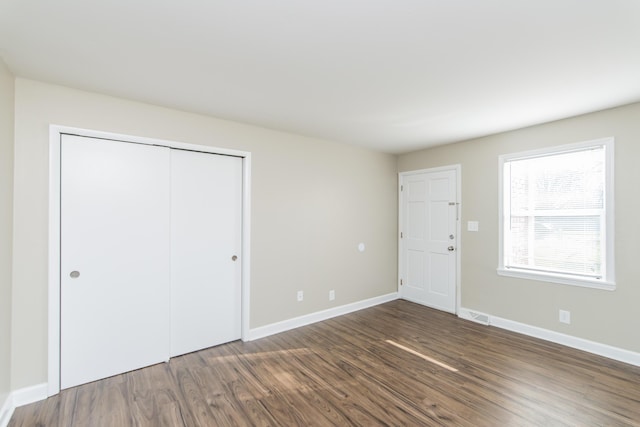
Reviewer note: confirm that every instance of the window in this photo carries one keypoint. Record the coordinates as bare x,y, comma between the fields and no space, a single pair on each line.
557,214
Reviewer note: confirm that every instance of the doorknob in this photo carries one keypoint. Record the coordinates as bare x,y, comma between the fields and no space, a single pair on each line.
451,248
74,274
233,258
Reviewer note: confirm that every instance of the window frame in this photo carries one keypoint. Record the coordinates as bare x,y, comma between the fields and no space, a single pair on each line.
607,281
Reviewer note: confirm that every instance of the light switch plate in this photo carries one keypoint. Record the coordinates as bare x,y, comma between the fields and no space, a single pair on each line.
472,226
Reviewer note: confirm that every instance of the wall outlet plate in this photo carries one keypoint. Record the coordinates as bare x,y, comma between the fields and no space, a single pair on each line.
332,295
300,296
565,316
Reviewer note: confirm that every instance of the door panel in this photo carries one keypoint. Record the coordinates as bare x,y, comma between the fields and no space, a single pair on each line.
439,268
206,215
429,226
416,212
415,269
439,214
115,233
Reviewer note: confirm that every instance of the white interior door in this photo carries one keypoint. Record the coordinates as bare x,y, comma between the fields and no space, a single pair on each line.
428,242
206,218
115,258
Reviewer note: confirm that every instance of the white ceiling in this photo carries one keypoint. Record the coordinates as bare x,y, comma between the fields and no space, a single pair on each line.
392,75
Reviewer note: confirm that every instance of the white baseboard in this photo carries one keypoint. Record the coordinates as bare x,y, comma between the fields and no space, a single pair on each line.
600,349
6,410
286,325
21,397
27,395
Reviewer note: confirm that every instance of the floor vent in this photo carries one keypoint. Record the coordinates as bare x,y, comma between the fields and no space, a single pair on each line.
479,318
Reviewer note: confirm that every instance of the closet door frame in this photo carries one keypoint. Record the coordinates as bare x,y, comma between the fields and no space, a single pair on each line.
55,136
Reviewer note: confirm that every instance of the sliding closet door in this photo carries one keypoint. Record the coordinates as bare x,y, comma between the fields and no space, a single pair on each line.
115,258
206,224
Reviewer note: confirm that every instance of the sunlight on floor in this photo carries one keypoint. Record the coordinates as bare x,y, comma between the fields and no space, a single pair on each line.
427,358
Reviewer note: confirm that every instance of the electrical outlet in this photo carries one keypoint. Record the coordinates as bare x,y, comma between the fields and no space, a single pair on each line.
332,295
565,316
300,296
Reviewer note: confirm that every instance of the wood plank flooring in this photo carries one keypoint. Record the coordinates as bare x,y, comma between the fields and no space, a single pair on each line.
344,372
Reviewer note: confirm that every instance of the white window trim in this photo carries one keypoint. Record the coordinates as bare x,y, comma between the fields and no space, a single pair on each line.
608,280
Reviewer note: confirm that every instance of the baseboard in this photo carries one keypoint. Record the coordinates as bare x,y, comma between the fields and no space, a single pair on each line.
27,395
600,349
6,410
286,325
21,397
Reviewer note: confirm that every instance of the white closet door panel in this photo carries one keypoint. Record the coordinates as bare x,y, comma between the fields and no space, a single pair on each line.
115,232
206,215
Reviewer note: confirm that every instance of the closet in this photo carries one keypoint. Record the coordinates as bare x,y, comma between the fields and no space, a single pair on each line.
150,241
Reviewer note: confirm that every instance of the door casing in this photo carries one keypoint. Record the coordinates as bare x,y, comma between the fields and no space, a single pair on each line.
55,134
458,172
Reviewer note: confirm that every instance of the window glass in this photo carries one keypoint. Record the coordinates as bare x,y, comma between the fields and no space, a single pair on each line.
555,215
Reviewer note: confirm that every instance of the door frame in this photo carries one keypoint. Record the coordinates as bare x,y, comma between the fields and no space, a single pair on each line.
55,136
457,168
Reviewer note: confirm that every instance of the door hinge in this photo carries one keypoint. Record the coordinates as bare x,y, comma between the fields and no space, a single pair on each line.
400,282
402,188
401,236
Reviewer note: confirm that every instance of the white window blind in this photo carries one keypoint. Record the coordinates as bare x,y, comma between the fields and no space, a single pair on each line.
555,212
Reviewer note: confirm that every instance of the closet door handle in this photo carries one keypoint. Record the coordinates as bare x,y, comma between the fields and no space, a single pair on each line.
233,258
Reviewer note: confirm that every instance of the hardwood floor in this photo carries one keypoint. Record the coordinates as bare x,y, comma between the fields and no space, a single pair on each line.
344,371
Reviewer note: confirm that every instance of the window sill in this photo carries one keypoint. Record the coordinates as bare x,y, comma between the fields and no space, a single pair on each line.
557,278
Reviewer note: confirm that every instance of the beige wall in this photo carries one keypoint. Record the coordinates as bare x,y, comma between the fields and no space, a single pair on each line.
6,230
601,316
313,202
